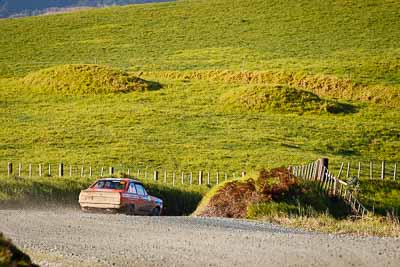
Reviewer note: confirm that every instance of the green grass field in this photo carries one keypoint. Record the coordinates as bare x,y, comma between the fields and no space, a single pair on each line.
355,39
350,47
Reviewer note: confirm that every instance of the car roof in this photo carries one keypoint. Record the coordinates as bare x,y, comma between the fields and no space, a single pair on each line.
120,179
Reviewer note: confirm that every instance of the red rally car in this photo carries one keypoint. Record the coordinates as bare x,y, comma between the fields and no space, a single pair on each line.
120,194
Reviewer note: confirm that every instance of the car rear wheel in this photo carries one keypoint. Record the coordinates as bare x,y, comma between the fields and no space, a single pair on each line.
130,210
156,211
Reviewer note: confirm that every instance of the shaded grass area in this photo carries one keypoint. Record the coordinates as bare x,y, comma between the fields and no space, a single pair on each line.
33,192
381,196
10,255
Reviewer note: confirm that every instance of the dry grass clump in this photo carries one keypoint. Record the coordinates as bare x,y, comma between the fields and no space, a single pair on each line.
279,98
231,200
233,197
366,226
81,79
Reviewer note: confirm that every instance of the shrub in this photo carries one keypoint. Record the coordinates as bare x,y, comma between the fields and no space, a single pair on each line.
272,192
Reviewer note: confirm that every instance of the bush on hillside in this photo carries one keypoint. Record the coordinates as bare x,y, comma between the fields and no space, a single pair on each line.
81,79
272,192
278,98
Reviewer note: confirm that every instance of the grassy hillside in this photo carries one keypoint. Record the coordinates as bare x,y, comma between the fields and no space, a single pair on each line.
352,39
343,54
131,129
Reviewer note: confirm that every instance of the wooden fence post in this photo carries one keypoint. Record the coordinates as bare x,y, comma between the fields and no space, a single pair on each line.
102,171
90,171
383,170
395,171
217,178
322,166
340,171
19,169
182,178
200,177
334,186
191,178
49,169
111,170
348,170
129,172
371,169
82,171
173,178
60,170
155,176
359,170
208,178
165,176
138,174
311,175
226,177
30,170
40,170
9,168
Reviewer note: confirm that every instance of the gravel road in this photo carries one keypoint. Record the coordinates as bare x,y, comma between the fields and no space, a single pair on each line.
68,237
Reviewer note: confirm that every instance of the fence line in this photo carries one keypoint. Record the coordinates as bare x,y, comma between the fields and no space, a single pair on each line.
369,170
318,172
168,177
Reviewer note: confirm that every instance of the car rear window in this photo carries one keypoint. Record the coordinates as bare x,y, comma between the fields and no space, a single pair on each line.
110,184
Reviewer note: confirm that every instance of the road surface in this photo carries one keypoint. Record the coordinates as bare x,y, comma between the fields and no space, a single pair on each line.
66,237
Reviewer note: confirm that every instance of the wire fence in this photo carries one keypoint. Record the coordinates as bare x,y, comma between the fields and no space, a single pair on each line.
88,171
330,184
373,169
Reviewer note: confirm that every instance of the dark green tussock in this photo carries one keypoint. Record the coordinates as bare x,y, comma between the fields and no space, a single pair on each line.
83,79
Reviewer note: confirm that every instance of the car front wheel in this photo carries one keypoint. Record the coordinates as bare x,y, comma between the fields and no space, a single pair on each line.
156,211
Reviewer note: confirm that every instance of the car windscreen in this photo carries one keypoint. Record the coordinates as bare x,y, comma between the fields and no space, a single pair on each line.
110,184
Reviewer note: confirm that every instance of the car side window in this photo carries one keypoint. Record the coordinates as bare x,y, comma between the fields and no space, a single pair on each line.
99,184
140,190
132,188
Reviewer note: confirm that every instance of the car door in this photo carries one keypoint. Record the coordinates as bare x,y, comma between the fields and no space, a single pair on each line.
133,197
145,203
